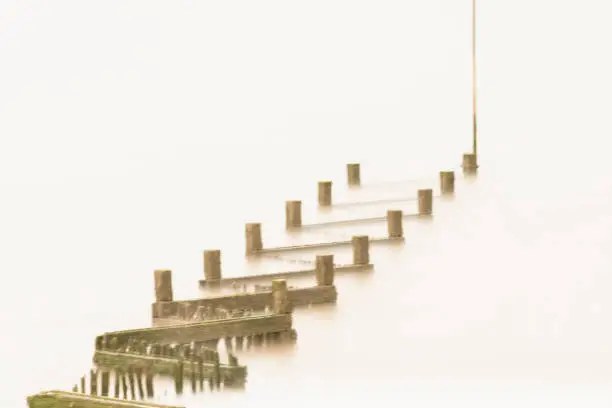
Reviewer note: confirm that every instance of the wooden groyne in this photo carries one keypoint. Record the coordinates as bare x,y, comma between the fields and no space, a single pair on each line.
254,242
279,326
324,291
64,399
169,365
213,277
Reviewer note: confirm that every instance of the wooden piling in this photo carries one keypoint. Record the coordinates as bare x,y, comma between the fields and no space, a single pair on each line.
395,227
163,285
353,174
254,242
361,249
293,214
239,343
325,193
447,182
193,375
425,197
105,379
324,270
201,372
212,265
470,163
130,376
178,377
149,382
124,384
138,372
116,378
93,382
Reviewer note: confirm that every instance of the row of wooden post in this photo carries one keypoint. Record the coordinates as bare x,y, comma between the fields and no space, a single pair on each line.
133,377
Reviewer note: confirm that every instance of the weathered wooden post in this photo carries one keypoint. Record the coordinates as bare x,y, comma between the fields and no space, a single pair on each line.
470,163
254,243
293,214
193,373
212,265
280,297
353,174
163,285
425,201
178,377
116,383
83,389
361,249
149,382
93,382
324,270
201,372
124,384
105,378
395,228
138,371
325,193
447,182
130,375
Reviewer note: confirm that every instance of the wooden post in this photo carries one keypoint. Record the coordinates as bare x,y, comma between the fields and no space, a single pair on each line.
325,193
178,377
254,243
361,249
193,367
239,343
163,285
201,372
124,384
83,389
117,375
447,182
217,371
280,297
353,174
130,375
425,202
324,270
293,214
93,382
138,372
105,379
470,163
395,228
212,265
149,382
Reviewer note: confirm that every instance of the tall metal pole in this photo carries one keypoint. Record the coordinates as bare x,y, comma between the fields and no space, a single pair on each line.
474,136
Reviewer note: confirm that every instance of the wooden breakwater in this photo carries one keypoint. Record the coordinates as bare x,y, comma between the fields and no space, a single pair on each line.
64,399
181,349
197,361
324,291
275,325
213,277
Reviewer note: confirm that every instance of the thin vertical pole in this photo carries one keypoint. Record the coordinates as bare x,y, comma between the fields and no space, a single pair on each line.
474,140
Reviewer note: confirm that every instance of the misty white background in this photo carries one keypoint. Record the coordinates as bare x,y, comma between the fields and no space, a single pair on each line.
134,134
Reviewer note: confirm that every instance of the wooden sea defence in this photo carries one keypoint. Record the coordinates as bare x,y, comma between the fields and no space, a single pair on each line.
183,342
254,242
65,399
324,291
213,277
277,325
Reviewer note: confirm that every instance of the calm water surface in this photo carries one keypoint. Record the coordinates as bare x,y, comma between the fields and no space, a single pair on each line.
135,135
